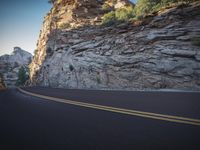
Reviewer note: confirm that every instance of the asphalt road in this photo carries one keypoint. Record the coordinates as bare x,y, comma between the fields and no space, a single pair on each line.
27,122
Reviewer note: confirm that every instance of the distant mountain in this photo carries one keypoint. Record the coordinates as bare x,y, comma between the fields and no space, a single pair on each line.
18,55
10,65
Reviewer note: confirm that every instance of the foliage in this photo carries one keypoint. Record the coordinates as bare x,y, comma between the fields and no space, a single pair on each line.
144,7
98,80
71,68
65,26
22,76
124,14
106,8
49,50
196,41
51,1
2,84
109,18
119,15
35,52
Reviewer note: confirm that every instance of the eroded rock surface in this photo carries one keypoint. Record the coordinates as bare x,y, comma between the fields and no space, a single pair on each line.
154,55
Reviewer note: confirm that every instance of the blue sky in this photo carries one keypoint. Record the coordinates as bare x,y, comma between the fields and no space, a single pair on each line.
20,23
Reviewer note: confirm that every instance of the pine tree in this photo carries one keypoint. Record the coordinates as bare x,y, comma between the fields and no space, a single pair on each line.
22,76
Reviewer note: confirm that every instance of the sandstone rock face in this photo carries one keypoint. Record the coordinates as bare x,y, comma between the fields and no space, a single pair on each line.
10,65
154,55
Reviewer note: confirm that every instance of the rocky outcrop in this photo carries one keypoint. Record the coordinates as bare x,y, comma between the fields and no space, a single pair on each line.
68,14
10,65
153,54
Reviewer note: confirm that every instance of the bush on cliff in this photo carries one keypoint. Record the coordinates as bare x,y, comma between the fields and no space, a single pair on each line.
125,14
65,26
196,41
144,7
119,15
2,84
109,18
106,8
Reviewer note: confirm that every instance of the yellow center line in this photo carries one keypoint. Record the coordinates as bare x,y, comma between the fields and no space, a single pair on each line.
170,118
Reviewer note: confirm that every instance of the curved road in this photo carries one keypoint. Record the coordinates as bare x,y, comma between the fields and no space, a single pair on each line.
28,122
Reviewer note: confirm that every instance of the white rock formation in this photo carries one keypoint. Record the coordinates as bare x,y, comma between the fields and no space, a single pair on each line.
10,65
157,54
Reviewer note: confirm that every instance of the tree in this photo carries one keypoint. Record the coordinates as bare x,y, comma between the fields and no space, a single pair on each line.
22,76
118,15
51,1
109,18
144,7
2,84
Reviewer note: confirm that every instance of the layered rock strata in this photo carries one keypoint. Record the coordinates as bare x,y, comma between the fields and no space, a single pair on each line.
159,52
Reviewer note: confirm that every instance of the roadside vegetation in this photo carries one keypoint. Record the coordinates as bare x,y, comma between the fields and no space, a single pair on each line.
2,84
22,76
141,9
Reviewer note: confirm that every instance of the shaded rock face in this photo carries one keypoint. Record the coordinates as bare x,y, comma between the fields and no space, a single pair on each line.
154,55
10,65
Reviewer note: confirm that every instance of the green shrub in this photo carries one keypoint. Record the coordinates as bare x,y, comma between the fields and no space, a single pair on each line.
109,18
71,68
98,80
144,7
35,52
196,41
65,26
141,9
119,15
124,14
106,8
186,1
22,76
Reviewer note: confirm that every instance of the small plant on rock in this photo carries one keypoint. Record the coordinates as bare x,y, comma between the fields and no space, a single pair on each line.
109,19
71,68
196,41
65,26
98,80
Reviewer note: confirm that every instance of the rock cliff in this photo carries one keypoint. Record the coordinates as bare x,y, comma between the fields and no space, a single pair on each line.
10,65
74,51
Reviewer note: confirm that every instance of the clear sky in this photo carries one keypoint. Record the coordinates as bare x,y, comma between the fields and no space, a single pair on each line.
20,23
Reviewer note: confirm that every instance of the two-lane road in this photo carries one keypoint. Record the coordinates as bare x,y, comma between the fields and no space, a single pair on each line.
28,122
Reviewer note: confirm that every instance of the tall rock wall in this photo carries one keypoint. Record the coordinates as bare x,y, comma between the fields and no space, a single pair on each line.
68,14
160,52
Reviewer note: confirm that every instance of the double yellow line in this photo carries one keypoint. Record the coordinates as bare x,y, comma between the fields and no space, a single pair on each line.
170,118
